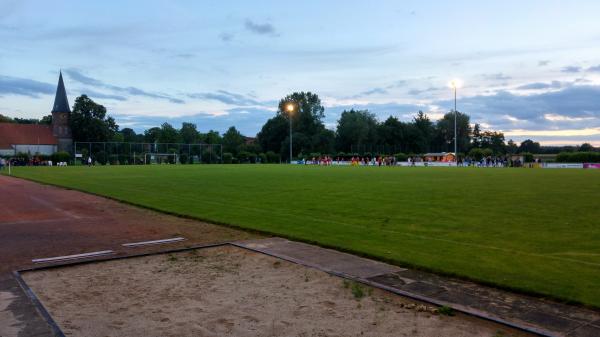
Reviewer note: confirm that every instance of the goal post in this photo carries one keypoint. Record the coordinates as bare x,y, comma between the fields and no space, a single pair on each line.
161,158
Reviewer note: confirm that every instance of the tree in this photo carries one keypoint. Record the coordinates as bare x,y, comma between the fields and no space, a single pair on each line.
189,133
309,133
529,146
46,120
391,131
586,147
89,122
213,137
355,128
511,147
232,140
494,141
6,119
152,135
273,133
476,137
168,134
308,113
129,135
445,132
422,133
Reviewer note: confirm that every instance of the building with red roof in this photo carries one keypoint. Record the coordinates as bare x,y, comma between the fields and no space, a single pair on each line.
40,139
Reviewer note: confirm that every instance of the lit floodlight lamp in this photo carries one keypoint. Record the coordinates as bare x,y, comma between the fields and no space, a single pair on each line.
456,83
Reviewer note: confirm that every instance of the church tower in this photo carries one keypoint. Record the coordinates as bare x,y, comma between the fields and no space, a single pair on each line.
60,118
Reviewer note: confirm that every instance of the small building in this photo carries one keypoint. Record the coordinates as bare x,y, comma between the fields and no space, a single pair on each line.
40,139
27,138
439,157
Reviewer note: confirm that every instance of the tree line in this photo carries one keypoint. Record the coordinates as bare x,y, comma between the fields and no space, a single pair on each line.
358,132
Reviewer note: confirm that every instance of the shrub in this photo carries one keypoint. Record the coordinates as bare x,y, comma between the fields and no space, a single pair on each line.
60,157
357,290
244,157
183,158
527,157
227,157
24,156
487,152
401,157
445,310
262,158
101,157
578,157
171,159
272,157
476,153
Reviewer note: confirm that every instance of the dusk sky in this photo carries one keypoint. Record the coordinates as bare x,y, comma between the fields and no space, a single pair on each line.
530,68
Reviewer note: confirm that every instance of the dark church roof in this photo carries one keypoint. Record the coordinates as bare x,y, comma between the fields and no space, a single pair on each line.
61,104
25,134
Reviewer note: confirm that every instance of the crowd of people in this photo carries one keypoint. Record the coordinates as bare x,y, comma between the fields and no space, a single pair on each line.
353,161
27,161
490,161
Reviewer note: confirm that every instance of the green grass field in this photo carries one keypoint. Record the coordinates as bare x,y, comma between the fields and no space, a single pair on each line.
532,230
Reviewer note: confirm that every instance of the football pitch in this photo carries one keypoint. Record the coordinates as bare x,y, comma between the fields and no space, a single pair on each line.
532,230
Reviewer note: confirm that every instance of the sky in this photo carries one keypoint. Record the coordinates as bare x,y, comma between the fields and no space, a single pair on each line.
530,69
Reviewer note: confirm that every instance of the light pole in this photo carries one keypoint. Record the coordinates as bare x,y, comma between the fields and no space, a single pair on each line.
455,84
290,109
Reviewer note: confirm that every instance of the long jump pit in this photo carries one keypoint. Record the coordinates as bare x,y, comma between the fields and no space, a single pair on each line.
226,290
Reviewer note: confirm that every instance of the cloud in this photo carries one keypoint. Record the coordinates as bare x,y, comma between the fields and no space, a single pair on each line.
374,91
230,98
226,36
24,87
260,28
496,77
133,91
572,106
185,55
247,120
95,94
595,69
397,84
571,69
542,85
560,118
543,63
417,92
556,133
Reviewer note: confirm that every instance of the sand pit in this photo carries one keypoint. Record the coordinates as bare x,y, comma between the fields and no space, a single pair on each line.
229,291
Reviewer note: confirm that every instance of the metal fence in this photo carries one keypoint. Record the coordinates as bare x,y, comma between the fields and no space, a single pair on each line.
123,153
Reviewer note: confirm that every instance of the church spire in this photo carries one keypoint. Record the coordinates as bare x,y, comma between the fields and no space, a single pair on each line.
61,104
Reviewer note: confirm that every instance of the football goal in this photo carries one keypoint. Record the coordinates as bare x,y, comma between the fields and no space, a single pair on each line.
161,158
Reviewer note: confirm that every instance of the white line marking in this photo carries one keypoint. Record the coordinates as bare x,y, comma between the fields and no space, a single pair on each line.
154,242
72,257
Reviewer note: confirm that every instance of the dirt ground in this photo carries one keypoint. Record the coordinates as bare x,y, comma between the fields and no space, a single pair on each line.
38,221
229,291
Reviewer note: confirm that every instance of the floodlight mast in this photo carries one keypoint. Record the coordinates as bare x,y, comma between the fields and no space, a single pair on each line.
290,109
455,84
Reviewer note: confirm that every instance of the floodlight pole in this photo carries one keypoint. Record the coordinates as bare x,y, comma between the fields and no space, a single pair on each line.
290,117
455,134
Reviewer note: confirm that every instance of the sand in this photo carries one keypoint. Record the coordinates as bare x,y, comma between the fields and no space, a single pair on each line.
229,291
